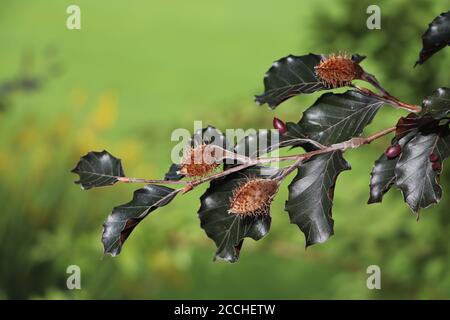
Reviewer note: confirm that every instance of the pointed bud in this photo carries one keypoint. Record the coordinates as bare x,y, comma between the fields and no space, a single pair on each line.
279,125
393,151
436,166
434,157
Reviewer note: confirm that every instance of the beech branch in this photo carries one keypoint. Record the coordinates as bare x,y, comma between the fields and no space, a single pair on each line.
298,160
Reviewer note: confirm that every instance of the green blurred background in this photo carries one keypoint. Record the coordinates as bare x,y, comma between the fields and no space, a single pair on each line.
139,69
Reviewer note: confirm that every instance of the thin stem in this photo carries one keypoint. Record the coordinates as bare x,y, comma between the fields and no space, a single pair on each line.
385,96
237,168
349,144
140,180
370,78
380,134
287,171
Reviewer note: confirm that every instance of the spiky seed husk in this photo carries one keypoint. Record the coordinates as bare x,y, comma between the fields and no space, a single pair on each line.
253,198
194,162
338,70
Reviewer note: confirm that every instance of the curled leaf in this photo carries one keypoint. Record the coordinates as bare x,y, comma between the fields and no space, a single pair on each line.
415,175
335,118
436,37
123,219
98,169
437,105
293,75
311,196
289,77
382,176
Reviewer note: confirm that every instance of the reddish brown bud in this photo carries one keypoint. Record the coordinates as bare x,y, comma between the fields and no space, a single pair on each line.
279,125
436,166
434,157
393,151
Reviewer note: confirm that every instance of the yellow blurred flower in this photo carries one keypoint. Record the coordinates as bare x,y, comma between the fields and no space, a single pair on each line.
130,151
106,112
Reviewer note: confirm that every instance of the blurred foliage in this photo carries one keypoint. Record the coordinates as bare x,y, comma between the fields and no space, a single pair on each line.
158,67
